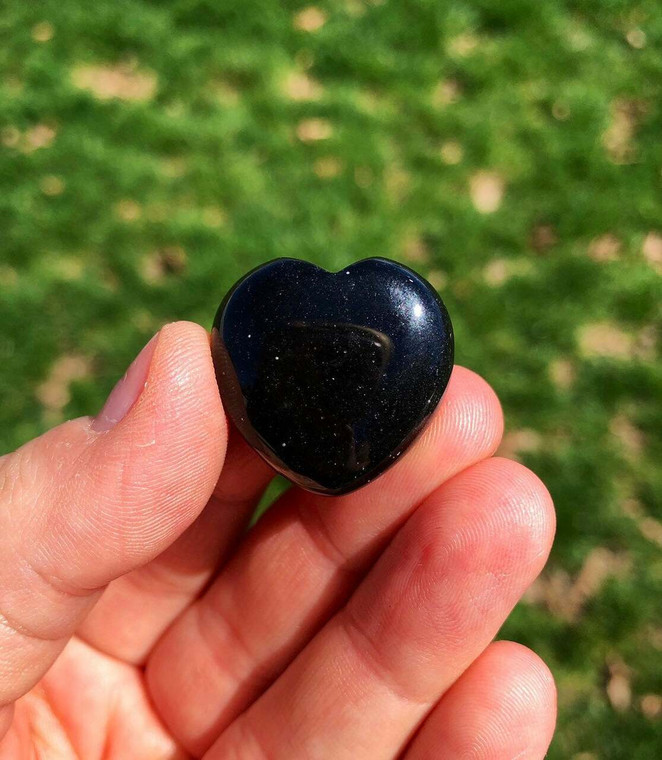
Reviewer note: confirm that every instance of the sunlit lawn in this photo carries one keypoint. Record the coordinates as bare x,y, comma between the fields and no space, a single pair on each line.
152,152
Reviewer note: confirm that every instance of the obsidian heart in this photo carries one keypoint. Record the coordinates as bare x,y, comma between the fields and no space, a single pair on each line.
330,376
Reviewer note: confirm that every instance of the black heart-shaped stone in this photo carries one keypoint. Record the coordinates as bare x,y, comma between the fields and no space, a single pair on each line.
330,376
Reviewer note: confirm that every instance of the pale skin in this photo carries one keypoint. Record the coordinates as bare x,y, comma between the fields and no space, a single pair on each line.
140,618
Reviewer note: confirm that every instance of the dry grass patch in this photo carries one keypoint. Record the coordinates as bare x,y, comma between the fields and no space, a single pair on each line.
42,32
543,237
157,265
54,393
451,152
562,373
487,190
300,87
618,138
328,167
566,596
310,19
604,248
516,442
314,130
52,185
447,92
652,250
605,339
121,82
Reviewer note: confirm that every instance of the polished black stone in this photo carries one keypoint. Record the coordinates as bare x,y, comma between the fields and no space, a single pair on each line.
330,376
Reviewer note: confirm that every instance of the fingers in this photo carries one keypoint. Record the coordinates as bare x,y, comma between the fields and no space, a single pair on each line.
427,609
297,566
503,707
93,499
137,608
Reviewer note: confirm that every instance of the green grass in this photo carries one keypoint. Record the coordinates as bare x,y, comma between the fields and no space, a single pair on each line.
120,213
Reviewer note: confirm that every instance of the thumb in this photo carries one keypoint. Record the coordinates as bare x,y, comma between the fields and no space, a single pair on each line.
95,498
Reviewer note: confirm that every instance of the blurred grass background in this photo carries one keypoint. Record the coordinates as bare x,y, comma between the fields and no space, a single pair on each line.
152,152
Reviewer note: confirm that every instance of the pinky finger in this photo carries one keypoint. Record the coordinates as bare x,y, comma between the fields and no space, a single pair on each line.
503,707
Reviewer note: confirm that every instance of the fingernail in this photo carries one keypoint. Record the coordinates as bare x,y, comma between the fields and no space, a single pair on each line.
127,391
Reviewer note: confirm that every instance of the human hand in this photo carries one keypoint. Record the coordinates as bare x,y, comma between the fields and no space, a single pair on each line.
139,619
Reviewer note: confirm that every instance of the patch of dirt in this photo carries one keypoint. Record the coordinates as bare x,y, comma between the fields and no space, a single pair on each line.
128,210
224,92
618,138
487,190
618,687
651,706
51,185
328,167
39,136
43,32
313,130
517,442
562,373
463,45
397,181
452,152
213,216
68,268
35,138
414,249
10,137
437,279
54,392
121,82
604,248
652,250
651,529
300,87
565,596
174,167
605,339
628,435
646,343
495,272
157,265
561,111
310,19
543,237
636,38
447,92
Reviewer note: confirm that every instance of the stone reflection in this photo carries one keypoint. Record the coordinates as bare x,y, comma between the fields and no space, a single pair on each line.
315,390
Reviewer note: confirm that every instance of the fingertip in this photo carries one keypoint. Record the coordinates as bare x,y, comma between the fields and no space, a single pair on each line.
519,692
469,419
180,404
510,509
526,500
503,706
154,471
524,676
182,378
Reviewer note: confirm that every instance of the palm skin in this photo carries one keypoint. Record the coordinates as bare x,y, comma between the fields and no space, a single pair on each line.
141,618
